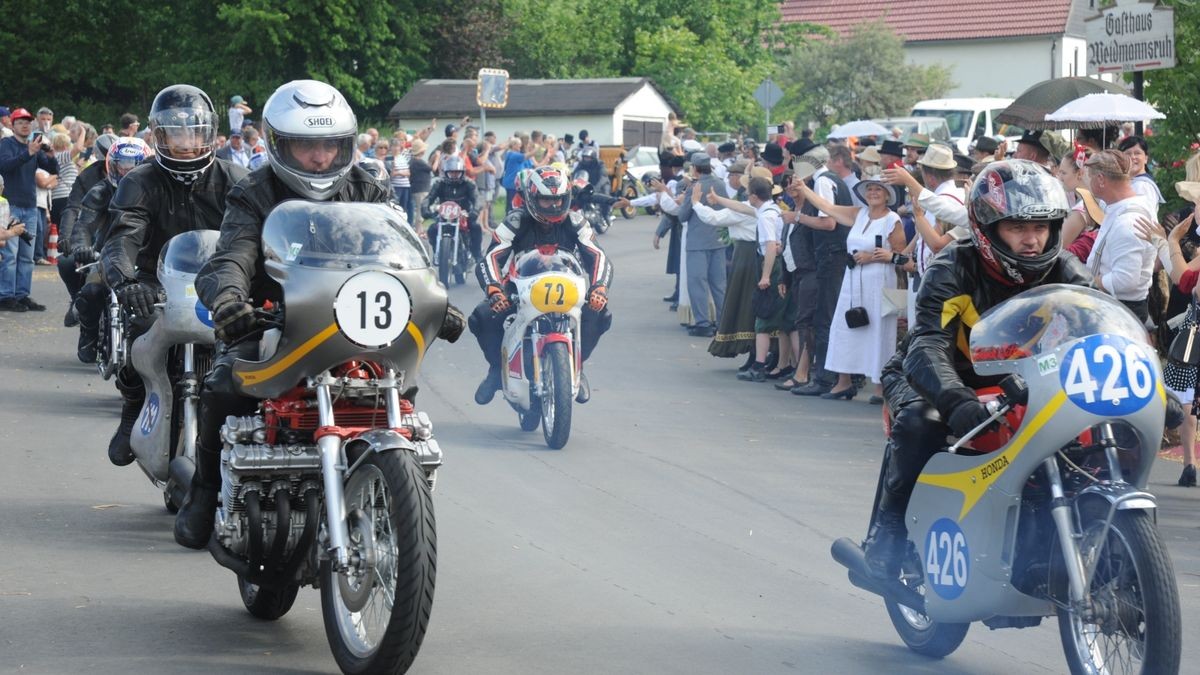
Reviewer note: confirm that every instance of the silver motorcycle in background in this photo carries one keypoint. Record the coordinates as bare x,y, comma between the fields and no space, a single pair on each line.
330,483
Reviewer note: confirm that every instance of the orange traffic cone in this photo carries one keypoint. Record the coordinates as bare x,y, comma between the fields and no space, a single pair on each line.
52,247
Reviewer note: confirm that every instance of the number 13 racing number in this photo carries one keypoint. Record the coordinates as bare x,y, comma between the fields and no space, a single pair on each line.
1108,375
372,309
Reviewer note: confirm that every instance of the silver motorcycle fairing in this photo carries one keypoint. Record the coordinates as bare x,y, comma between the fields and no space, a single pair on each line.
312,249
981,495
521,387
182,319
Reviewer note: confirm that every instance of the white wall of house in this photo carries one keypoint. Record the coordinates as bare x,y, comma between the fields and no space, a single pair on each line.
644,105
599,127
1002,68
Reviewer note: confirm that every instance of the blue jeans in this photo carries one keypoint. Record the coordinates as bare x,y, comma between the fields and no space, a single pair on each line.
39,237
16,257
404,199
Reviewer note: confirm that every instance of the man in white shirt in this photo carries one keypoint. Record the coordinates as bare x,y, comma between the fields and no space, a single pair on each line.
1121,262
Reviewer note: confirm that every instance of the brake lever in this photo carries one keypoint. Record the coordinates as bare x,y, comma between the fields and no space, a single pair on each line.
998,408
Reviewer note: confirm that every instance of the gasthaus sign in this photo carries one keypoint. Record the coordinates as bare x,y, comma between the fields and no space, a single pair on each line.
1131,35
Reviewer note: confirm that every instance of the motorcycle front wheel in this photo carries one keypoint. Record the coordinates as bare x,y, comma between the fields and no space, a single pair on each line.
920,633
377,611
630,192
1136,624
444,260
556,395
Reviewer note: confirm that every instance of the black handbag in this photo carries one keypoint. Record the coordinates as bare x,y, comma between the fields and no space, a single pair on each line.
856,317
1185,348
766,302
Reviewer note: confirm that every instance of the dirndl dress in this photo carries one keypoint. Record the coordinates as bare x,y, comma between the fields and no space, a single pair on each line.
735,331
1179,377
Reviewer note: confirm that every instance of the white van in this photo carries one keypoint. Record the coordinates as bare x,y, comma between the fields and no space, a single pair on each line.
969,118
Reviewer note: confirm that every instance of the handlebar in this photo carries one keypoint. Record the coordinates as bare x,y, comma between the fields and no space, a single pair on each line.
267,319
1016,392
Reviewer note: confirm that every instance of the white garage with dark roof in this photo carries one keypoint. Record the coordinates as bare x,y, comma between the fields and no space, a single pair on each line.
624,111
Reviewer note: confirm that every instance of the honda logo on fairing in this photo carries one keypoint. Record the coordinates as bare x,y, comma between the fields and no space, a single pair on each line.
318,122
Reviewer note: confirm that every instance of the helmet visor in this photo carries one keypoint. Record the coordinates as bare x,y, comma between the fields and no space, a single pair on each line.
184,133
314,157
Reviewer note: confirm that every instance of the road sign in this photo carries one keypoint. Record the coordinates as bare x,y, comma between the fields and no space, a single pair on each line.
1131,36
768,94
491,89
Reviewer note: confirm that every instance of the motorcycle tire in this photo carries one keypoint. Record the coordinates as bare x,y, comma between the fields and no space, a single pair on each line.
460,270
267,604
631,193
921,634
387,500
556,395
1135,571
445,262
531,419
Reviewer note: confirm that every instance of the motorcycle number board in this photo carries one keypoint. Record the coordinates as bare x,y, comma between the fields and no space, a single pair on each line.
372,309
1108,375
551,293
947,559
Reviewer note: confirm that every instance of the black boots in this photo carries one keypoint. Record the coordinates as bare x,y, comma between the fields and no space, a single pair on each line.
887,541
120,452
194,522
488,388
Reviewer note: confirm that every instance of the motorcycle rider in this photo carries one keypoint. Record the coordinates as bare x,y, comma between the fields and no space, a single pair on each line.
454,187
597,176
88,178
184,189
544,219
306,162
91,231
1016,211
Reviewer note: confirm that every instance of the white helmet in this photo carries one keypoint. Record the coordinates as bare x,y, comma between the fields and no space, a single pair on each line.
310,133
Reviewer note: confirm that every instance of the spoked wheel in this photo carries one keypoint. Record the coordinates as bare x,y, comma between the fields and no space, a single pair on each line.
923,635
629,193
445,260
267,603
1133,625
556,395
376,612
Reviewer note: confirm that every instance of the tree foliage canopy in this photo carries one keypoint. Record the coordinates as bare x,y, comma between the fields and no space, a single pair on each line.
1174,92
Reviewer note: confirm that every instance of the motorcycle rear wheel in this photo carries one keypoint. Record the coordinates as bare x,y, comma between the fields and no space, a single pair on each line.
531,419
556,395
267,604
376,616
445,261
630,193
921,634
1134,588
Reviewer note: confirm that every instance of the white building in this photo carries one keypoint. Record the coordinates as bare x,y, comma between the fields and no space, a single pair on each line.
624,111
991,49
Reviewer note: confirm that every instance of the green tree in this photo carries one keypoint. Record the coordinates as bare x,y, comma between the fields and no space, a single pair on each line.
1173,93
860,76
554,39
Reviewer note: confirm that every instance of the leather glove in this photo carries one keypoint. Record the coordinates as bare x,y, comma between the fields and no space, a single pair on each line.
85,255
138,299
498,300
452,324
234,320
966,416
597,298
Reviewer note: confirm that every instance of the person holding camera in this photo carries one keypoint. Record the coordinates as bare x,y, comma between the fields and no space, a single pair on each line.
21,155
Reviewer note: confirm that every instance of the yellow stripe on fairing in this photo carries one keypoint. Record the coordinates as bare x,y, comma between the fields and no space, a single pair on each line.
417,337
973,482
260,376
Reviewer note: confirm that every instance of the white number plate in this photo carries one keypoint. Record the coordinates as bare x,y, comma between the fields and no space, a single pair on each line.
372,309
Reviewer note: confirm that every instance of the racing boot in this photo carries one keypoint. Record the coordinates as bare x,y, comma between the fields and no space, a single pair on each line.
133,394
488,388
585,390
194,522
887,540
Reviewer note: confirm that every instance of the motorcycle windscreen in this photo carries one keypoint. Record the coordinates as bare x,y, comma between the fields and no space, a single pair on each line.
341,235
357,286
1041,319
548,259
187,252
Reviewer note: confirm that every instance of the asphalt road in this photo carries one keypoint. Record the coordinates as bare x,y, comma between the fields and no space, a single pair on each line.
685,528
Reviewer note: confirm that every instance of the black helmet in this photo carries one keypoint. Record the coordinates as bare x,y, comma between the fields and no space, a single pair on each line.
1018,190
649,177
183,122
101,146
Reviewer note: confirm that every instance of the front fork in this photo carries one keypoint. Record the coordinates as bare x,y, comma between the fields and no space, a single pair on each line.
333,462
189,388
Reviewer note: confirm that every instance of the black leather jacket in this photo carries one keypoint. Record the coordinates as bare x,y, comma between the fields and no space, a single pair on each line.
955,291
93,174
91,227
519,232
235,272
151,206
463,192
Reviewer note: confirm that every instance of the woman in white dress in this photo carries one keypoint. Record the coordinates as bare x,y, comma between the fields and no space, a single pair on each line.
875,232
